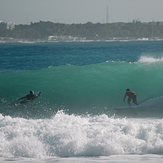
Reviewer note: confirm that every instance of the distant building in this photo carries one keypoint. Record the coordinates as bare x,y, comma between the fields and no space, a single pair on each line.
4,25
10,26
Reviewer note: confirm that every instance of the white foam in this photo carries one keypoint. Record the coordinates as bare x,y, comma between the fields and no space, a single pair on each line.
75,136
146,59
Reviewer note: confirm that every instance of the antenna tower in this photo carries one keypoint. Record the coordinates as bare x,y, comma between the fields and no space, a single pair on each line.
107,15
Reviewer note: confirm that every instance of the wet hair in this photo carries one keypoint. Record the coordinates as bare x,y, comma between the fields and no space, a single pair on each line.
31,92
128,89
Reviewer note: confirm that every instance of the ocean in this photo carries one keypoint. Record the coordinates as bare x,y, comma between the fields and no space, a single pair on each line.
80,115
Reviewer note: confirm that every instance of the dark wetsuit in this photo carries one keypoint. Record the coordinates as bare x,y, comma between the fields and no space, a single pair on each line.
31,97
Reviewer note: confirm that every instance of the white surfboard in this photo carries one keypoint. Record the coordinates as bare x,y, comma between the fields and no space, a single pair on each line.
126,107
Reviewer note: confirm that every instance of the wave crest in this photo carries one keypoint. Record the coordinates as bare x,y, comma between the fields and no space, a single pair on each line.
146,59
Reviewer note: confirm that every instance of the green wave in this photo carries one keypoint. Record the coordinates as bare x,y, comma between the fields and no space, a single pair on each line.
93,89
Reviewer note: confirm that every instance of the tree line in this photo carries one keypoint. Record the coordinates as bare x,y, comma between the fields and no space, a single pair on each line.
97,31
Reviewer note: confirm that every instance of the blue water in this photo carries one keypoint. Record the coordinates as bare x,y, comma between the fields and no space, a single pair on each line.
18,56
79,110
78,77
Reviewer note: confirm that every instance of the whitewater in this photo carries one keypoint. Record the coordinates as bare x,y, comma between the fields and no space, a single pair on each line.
80,115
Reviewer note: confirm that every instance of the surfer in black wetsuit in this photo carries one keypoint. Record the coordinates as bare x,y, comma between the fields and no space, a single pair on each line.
28,98
131,96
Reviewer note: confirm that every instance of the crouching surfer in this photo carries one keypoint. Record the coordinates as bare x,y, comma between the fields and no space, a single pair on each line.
28,98
131,96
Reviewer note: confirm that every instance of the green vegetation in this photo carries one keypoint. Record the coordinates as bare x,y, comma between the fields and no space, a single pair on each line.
42,30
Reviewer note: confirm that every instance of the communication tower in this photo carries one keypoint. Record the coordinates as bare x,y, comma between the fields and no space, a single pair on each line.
107,15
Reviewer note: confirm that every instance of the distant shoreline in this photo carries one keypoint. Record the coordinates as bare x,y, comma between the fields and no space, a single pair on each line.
57,32
18,40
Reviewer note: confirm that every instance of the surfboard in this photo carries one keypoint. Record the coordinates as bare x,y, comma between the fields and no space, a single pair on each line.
27,101
126,107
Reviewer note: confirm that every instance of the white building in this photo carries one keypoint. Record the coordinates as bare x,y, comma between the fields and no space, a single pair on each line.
4,25
10,26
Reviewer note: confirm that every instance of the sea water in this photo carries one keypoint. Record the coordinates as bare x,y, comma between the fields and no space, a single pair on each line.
80,115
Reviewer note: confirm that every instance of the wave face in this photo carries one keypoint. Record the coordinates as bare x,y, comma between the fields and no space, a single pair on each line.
82,87
95,88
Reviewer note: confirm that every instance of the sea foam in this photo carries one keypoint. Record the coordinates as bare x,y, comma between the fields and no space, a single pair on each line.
147,59
73,136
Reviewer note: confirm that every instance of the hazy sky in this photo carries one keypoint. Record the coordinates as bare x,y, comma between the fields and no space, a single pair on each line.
80,11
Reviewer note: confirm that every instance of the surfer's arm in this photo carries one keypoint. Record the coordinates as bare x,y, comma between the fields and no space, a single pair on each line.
22,98
38,94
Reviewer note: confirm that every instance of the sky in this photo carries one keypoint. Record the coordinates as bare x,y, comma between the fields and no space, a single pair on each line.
80,11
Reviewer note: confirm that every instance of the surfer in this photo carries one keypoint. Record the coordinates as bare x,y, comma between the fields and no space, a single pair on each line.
131,96
28,98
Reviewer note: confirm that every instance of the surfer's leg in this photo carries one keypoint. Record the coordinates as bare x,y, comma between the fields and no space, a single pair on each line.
136,103
129,99
16,104
134,100
23,102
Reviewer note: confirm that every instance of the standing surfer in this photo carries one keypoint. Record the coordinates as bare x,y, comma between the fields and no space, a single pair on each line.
131,96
